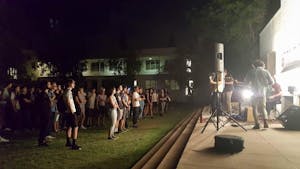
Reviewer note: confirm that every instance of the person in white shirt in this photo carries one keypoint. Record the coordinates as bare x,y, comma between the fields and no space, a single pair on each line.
113,108
71,117
135,106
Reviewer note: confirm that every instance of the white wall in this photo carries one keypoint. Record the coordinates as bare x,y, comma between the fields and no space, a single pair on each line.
281,36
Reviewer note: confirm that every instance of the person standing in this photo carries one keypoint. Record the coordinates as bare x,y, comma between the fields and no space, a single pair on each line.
227,92
71,117
112,111
54,110
91,107
274,98
102,111
150,102
119,95
168,100
8,116
162,100
44,106
259,79
2,104
135,106
15,103
126,103
154,101
81,100
25,104
142,103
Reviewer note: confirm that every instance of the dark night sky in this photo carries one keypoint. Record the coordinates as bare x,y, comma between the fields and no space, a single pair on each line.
95,27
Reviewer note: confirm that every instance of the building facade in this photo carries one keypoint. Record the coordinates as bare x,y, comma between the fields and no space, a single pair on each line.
153,71
280,48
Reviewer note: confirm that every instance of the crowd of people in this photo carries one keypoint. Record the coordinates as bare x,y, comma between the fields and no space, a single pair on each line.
52,107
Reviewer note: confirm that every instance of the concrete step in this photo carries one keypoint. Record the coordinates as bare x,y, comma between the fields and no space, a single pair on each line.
154,157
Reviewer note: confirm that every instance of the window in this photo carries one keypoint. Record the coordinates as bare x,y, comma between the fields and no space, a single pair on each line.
102,66
12,73
189,88
172,84
116,65
95,67
188,65
152,64
150,84
166,66
112,66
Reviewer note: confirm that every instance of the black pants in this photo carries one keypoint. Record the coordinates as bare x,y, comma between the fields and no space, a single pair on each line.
136,112
44,124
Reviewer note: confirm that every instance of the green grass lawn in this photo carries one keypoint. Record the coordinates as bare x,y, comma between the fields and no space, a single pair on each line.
97,152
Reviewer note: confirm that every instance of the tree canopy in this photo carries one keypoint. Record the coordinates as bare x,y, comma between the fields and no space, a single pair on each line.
237,24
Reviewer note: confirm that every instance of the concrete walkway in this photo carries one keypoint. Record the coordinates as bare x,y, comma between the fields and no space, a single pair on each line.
272,148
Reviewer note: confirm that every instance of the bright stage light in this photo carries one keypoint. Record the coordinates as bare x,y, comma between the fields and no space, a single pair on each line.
247,94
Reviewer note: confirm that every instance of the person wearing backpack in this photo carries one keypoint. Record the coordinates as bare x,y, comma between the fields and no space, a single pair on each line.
259,79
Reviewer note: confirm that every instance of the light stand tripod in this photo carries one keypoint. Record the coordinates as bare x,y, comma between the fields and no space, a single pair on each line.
217,112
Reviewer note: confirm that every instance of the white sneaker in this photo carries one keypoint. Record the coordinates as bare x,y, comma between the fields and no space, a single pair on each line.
3,140
50,137
83,127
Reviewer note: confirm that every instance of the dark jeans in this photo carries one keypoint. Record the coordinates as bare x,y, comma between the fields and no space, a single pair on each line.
136,112
26,119
44,124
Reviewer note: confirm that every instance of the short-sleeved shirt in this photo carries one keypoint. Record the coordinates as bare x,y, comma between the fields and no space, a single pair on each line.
135,103
51,95
69,98
119,100
125,98
228,87
259,79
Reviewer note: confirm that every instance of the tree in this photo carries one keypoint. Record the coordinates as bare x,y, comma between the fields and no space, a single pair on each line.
235,23
126,62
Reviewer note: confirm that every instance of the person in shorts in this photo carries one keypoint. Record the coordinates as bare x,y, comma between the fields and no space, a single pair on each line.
71,117
119,96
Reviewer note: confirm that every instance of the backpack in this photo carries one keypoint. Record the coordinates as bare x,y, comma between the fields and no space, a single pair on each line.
61,105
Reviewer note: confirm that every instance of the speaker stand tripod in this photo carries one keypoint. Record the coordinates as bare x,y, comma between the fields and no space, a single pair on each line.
217,112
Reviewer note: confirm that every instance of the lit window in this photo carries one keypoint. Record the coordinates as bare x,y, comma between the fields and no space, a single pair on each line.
150,84
188,63
189,70
102,66
95,67
174,85
152,64
12,73
186,91
191,84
